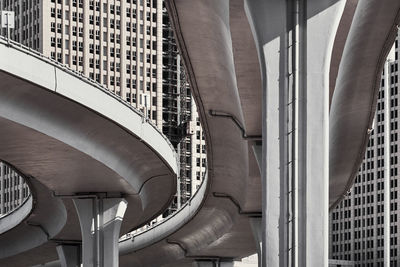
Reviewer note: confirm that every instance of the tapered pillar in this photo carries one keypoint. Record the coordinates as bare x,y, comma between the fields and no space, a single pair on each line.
100,220
213,263
294,41
69,255
205,263
226,263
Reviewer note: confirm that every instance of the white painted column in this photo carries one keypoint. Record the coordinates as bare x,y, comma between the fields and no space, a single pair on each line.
100,220
386,181
294,41
69,255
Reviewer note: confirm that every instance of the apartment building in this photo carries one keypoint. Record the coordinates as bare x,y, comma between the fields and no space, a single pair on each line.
357,224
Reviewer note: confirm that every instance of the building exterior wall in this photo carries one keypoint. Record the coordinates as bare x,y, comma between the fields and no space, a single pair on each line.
357,223
13,189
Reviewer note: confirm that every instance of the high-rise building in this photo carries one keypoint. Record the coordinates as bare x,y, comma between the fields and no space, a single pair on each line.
13,189
127,46
357,224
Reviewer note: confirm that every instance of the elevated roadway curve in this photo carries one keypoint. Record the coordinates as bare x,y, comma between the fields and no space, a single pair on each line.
370,38
71,138
220,56
215,40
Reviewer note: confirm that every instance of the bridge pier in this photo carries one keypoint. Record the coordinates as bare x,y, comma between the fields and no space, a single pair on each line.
294,41
213,263
100,220
69,255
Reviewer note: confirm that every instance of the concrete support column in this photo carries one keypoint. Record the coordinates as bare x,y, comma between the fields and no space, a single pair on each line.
205,263
294,41
100,220
213,263
227,263
69,255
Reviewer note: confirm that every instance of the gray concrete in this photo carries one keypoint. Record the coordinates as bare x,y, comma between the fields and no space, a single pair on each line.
67,133
294,55
15,217
196,48
35,230
100,220
219,225
371,35
257,228
69,255
213,263
205,263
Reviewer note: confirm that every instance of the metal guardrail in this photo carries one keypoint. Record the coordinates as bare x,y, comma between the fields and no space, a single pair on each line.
79,75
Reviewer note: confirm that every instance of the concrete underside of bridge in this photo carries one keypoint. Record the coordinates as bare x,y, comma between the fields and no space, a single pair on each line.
237,94
69,138
219,53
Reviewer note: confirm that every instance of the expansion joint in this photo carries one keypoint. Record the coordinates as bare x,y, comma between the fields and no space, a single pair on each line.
222,114
254,214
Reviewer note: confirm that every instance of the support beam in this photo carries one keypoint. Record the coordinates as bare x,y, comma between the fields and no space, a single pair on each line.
294,40
100,220
69,255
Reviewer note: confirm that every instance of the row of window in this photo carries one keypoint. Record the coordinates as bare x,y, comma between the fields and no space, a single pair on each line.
96,4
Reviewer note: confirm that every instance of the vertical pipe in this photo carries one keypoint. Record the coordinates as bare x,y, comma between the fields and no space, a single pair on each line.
295,141
178,86
100,241
96,225
386,194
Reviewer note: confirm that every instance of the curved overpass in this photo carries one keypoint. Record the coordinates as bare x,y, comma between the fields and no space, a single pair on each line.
68,136
222,45
371,36
217,225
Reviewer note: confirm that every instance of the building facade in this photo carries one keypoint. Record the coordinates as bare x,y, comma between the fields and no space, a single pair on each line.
127,46
13,189
357,223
